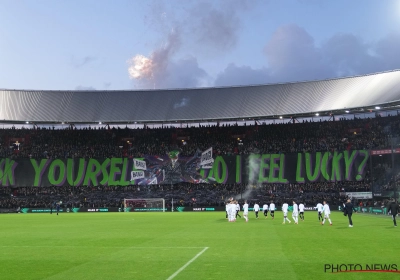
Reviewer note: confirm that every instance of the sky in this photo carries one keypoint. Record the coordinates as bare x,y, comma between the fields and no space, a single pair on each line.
158,44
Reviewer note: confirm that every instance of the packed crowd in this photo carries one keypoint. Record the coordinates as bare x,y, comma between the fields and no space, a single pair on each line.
257,138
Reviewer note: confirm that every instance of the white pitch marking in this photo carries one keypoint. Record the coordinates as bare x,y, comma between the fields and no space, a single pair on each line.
72,246
186,264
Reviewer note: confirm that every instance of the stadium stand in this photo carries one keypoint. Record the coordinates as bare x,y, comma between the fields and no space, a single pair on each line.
233,121
370,133
279,138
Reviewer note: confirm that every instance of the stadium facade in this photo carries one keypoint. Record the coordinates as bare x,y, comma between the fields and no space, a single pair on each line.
357,94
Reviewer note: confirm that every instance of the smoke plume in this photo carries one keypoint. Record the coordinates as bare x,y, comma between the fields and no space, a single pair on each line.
150,70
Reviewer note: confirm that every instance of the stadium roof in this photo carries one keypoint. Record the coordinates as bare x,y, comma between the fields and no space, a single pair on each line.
250,102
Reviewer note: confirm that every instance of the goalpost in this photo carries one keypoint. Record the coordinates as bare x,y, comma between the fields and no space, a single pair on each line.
144,204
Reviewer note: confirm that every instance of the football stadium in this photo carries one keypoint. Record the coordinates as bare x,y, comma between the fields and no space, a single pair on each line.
199,139
196,183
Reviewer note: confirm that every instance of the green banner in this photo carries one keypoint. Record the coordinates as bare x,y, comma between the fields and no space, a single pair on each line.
252,169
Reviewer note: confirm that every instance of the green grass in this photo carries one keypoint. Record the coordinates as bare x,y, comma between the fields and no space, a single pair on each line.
156,245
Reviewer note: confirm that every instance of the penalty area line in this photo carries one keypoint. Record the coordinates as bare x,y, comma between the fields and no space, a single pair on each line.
186,264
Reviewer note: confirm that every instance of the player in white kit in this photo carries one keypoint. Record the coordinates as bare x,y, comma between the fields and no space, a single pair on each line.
234,207
327,212
320,208
285,208
265,209
256,208
301,210
295,213
272,209
228,211
231,212
246,211
237,210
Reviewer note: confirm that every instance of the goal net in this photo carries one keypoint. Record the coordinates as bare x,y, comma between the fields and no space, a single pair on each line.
144,204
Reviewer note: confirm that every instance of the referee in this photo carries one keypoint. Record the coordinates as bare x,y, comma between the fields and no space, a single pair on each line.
393,207
348,210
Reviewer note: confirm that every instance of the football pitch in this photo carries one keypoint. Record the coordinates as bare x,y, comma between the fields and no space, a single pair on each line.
192,245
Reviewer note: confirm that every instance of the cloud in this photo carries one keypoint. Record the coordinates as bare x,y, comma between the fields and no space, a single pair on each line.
84,88
185,73
348,55
242,75
292,55
213,27
78,63
388,50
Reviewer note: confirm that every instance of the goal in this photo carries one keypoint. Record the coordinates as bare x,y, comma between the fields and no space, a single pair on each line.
144,204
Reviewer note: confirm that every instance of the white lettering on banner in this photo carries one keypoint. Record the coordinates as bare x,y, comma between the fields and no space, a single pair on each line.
137,175
206,157
208,165
153,182
139,164
359,195
383,152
